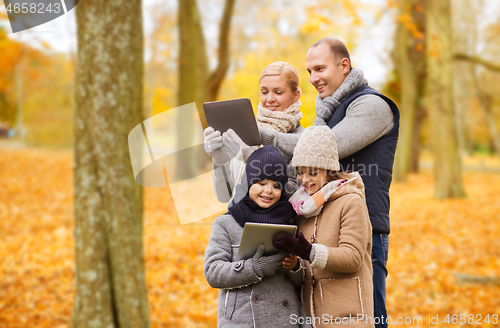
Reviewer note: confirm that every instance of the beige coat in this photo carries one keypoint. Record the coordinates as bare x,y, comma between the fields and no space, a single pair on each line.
342,266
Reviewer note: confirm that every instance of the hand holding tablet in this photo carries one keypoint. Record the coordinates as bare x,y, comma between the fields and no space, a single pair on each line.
235,114
255,234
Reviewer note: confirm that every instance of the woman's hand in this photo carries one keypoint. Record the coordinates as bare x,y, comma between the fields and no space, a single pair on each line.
233,143
291,262
213,146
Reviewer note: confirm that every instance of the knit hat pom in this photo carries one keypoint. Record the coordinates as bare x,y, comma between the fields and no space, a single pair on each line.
317,148
267,163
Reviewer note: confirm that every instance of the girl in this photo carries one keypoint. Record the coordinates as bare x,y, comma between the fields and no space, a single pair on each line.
256,292
334,218
279,109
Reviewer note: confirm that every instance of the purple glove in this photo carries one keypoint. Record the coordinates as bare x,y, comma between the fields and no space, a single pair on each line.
296,246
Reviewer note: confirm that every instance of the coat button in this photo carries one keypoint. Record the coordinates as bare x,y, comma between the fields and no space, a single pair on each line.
237,264
286,303
256,299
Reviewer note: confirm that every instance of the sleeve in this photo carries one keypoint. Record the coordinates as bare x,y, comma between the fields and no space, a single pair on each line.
293,182
297,277
219,269
367,119
285,142
224,178
354,233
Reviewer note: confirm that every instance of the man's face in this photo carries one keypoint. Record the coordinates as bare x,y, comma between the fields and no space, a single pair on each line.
326,74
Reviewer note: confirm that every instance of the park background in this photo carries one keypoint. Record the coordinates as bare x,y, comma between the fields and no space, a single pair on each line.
438,60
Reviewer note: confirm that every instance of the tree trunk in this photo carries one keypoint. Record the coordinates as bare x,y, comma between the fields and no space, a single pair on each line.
192,83
108,203
409,59
194,86
486,105
217,76
447,163
416,143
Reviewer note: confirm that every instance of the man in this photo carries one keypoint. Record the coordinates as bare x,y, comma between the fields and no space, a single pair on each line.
366,125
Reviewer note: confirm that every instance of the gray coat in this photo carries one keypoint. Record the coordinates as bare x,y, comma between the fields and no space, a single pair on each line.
245,299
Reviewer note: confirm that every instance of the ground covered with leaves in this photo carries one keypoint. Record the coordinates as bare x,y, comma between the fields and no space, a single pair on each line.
444,256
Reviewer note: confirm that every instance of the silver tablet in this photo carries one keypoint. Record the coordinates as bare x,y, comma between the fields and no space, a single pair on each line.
236,114
255,234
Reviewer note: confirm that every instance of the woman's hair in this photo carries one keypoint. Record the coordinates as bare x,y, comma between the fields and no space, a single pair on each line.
337,175
282,69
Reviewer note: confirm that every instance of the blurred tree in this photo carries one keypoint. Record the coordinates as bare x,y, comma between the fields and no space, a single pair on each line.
195,84
19,62
410,66
11,57
162,47
217,76
108,203
468,38
439,100
479,61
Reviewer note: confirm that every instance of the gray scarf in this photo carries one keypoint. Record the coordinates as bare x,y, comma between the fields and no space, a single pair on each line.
326,107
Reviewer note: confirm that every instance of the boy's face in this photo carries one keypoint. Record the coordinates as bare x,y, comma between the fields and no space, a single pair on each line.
312,179
265,193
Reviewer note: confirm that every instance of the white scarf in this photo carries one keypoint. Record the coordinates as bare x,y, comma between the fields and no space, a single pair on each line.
281,121
311,205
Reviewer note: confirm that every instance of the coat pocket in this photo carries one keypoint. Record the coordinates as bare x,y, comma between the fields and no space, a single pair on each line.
230,303
341,297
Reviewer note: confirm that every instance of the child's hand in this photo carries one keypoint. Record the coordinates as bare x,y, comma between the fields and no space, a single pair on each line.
290,262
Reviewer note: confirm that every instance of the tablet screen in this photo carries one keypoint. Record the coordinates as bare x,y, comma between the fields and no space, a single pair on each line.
255,234
236,114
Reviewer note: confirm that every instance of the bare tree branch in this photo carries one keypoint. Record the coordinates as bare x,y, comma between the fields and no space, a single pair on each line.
477,60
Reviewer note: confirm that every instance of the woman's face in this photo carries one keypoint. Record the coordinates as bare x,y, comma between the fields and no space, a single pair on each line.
265,193
276,94
312,179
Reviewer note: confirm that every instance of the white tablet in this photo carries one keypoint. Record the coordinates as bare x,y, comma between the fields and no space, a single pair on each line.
255,234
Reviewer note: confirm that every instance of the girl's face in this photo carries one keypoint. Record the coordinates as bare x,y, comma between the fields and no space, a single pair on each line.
276,94
312,179
265,193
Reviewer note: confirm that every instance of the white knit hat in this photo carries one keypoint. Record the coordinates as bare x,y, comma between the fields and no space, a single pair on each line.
317,148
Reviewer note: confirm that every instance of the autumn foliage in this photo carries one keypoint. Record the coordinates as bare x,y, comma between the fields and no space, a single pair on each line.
443,259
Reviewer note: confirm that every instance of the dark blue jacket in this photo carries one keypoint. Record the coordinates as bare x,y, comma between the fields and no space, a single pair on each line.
374,162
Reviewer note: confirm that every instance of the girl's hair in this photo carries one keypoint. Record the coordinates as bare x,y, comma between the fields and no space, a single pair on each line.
337,175
282,69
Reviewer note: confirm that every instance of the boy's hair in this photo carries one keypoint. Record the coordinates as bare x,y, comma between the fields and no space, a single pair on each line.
266,163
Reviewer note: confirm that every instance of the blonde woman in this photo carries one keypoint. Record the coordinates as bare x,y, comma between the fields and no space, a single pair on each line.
279,109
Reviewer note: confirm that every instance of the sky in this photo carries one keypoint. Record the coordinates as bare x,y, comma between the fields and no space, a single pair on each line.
371,53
